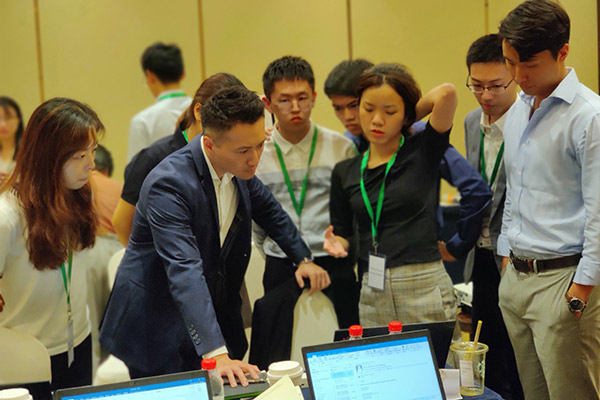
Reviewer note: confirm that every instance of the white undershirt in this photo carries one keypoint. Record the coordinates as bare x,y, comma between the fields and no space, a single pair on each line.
492,141
227,201
227,197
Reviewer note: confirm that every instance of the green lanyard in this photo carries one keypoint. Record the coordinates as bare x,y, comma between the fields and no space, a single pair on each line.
185,136
169,96
67,281
298,206
496,164
363,190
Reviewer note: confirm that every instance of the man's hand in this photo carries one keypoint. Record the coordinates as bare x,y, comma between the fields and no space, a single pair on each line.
581,292
446,256
333,244
505,261
319,278
235,368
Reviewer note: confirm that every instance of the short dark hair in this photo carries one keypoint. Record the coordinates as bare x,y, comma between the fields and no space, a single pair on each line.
228,107
5,103
343,79
486,49
210,86
400,79
103,160
165,61
288,68
535,26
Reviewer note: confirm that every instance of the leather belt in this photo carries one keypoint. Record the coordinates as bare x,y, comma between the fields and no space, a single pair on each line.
532,265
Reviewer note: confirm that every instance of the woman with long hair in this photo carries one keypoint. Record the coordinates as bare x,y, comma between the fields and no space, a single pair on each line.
11,131
391,191
46,218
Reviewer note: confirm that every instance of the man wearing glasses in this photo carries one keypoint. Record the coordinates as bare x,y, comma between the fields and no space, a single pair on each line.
296,166
495,90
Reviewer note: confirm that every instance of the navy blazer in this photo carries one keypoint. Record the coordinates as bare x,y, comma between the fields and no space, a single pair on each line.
176,284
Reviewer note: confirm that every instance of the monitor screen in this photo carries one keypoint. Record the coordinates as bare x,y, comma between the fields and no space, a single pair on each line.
184,389
387,368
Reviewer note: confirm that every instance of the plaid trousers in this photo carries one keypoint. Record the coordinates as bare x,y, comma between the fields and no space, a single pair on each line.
414,293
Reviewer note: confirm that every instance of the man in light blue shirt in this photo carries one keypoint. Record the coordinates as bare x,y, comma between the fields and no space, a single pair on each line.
551,227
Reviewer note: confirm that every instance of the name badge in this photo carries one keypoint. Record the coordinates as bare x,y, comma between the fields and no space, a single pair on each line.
71,350
376,271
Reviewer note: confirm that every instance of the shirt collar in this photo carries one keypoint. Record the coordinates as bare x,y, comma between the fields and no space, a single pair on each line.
303,145
227,177
566,89
168,92
494,129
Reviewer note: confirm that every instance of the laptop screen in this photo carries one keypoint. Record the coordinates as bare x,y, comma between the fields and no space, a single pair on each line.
185,386
386,367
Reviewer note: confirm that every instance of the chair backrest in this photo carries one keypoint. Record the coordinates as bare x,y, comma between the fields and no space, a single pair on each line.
315,322
24,358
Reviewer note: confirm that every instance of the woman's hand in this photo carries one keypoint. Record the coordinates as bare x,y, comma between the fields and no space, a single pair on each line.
268,134
1,303
235,368
3,176
336,246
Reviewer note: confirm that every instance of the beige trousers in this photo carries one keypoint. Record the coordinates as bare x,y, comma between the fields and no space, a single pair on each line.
558,356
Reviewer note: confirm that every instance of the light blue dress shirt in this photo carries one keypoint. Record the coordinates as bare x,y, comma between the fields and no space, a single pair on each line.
552,163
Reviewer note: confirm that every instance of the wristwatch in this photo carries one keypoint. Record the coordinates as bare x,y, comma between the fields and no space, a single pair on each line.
575,303
306,260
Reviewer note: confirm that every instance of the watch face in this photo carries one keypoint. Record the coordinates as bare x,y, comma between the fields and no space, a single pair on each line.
576,305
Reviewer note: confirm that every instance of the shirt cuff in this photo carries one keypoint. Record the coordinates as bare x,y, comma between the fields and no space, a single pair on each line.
588,272
503,247
217,352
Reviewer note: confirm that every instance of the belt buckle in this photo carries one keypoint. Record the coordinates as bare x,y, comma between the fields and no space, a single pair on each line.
532,265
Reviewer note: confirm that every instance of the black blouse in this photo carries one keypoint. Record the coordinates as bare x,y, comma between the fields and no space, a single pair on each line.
407,231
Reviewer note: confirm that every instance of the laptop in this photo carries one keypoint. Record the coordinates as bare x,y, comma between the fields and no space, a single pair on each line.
441,335
192,385
387,367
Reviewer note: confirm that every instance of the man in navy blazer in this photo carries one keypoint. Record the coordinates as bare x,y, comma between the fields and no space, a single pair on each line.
176,295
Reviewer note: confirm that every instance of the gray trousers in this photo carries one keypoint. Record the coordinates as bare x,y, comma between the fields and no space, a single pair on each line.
558,356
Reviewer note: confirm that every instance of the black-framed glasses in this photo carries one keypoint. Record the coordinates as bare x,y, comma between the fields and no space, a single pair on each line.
494,89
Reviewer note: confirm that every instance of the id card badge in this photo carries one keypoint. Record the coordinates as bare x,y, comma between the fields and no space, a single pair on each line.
376,271
71,350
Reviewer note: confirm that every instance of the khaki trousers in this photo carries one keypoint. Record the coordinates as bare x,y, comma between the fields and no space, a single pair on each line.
558,356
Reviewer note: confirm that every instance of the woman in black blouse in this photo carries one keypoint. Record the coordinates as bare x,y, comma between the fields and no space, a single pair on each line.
391,191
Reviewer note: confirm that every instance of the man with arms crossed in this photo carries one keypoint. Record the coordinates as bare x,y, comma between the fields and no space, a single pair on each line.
495,90
551,221
176,295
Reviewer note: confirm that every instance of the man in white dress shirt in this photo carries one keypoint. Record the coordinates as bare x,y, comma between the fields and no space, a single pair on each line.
296,167
163,67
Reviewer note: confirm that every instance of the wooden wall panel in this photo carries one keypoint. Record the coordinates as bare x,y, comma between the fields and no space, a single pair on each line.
243,37
19,68
92,49
430,37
